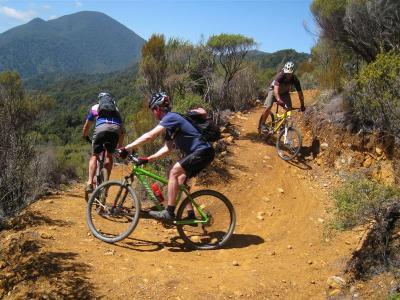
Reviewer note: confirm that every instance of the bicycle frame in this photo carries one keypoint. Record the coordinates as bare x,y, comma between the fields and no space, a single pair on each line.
142,173
282,119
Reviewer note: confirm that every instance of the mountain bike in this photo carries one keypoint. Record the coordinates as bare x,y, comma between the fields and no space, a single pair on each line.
289,141
101,172
212,227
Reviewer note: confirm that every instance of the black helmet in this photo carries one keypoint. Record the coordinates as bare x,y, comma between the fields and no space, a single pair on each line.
103,94
160,99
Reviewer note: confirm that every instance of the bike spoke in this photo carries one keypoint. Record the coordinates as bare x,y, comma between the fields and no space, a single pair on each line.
218,217
112,212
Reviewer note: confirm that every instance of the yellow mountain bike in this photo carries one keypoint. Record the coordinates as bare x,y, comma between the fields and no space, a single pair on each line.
289,141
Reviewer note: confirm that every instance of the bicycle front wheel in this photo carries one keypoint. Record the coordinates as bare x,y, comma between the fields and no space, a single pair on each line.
215,220
113,211
288,143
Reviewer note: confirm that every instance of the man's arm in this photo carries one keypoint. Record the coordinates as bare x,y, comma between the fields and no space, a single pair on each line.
277,96
86,128
164,150
145,138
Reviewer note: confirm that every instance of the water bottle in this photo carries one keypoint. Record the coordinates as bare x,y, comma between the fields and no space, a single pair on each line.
157,192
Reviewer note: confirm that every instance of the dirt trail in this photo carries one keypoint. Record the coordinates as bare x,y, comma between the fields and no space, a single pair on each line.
283,256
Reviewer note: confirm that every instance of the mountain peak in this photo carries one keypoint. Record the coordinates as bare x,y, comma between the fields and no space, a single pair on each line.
36,21
83,42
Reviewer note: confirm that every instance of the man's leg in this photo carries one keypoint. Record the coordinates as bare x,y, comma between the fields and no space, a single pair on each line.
173,183
264,115
108,164
176,176
92,170
268,104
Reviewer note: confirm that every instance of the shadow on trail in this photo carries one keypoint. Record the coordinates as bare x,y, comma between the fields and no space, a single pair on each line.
177,245
44,275
299,161
218,171
306,151
31,219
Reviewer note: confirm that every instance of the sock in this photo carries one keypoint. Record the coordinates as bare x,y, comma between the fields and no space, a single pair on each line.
191,214
171,210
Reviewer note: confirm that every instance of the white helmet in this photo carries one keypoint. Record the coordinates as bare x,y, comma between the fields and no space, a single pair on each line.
289,67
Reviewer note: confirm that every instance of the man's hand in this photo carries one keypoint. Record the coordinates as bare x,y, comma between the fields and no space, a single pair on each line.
123,153
142,160
281,103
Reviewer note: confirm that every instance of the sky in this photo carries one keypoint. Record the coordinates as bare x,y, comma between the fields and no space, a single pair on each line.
273,24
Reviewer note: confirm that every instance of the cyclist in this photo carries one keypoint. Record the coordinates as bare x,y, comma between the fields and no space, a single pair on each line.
197,153
108,132
279,91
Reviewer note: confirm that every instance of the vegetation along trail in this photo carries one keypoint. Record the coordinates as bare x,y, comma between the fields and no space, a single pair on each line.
278,249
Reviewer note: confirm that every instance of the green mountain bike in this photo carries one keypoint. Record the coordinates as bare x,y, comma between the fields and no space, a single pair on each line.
113,211
289,141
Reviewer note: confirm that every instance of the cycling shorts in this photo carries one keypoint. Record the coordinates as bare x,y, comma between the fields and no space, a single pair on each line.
197,161
271,99
105,135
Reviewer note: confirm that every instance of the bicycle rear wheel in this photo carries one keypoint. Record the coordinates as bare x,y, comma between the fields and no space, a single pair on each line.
113,211
220,225
268,124
288,145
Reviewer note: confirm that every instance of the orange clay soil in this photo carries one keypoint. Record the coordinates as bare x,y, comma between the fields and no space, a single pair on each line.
283,256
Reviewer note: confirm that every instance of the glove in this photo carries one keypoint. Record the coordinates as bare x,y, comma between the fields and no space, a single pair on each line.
142,161
123,153
303,108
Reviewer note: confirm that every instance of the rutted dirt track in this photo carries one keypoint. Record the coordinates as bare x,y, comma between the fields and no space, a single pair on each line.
284,256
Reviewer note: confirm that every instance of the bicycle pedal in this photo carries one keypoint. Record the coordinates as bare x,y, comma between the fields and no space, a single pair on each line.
167,224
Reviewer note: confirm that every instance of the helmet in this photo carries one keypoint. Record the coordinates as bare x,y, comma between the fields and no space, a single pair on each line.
289,67
160,99
102,94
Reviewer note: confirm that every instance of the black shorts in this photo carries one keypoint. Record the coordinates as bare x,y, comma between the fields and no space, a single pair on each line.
197,161
105,137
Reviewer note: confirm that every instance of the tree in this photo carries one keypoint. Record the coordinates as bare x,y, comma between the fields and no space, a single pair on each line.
154,63
179,58
364,26
230,50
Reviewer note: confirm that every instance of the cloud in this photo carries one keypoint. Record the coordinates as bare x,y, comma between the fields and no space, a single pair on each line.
46,6
78,3
18,14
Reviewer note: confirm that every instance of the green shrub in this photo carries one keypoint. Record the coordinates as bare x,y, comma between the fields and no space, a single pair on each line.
362,200
395,296
182,104
376,95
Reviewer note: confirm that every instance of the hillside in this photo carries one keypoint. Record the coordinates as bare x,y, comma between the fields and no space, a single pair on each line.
277,59
84,42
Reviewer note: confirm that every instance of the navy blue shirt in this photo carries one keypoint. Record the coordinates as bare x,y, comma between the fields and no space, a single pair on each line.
186,137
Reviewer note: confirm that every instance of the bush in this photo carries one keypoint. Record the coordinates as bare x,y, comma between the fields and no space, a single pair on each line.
362,200
190,101
376,95
22,177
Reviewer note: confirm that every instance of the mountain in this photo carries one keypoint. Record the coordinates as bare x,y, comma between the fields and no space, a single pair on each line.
84,42
277,59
